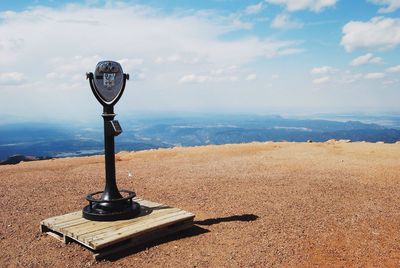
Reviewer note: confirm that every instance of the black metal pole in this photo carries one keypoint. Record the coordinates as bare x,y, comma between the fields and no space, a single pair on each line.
110,190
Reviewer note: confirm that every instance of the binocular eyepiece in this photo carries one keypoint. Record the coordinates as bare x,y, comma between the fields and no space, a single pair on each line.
108,67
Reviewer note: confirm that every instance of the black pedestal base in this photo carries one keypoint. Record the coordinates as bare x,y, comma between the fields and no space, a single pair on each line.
97,214
107,209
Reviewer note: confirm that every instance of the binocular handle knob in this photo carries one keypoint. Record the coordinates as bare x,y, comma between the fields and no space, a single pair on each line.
89,75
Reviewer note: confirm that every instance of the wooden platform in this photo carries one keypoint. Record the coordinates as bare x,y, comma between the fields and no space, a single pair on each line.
105,238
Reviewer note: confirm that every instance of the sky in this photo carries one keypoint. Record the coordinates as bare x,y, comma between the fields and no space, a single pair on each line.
209,56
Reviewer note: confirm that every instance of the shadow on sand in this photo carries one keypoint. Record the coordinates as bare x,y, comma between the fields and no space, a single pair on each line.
190,232
243,217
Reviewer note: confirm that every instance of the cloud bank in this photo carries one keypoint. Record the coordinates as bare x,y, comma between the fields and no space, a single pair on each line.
47,51
378,33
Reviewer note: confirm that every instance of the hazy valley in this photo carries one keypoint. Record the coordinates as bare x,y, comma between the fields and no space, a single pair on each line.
158,131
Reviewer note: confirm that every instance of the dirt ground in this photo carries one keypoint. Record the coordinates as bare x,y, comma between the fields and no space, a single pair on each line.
256,205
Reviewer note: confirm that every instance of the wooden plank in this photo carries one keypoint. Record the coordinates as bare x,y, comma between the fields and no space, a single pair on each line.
71,223
98,228
62,218
149,203
103,233
154,209
89,225
75,218
129,231
78,214
65,216
59,236
56,236
141,232
136,241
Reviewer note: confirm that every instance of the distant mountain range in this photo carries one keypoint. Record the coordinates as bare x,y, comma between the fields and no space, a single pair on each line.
150,132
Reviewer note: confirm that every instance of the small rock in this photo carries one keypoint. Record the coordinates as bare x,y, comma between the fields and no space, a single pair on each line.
309,141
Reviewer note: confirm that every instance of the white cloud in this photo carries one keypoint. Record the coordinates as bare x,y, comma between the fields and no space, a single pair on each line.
192,78
296,5
349,77
364,59
222,74
251,77
254,9
225,70
376,60
54,75
322,70
390,82
11,78
175,58
378,33
374,75
286,52
233,78
393,69
276,48
240,24
131,62
390,5
283,21
321,80
195,78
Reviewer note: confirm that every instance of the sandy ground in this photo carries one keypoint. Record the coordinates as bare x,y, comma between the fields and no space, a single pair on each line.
256,205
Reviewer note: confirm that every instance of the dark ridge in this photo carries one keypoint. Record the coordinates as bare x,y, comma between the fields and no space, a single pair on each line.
15,159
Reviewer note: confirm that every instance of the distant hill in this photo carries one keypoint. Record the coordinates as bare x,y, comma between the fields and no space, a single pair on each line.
15,159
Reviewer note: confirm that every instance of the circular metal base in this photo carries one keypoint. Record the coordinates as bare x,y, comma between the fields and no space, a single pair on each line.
94,213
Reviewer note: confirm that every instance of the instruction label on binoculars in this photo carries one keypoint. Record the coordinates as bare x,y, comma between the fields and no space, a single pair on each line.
109,80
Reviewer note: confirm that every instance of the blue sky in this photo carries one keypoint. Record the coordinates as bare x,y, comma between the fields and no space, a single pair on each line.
271,56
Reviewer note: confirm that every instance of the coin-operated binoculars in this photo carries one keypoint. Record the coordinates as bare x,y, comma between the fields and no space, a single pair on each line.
108,84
